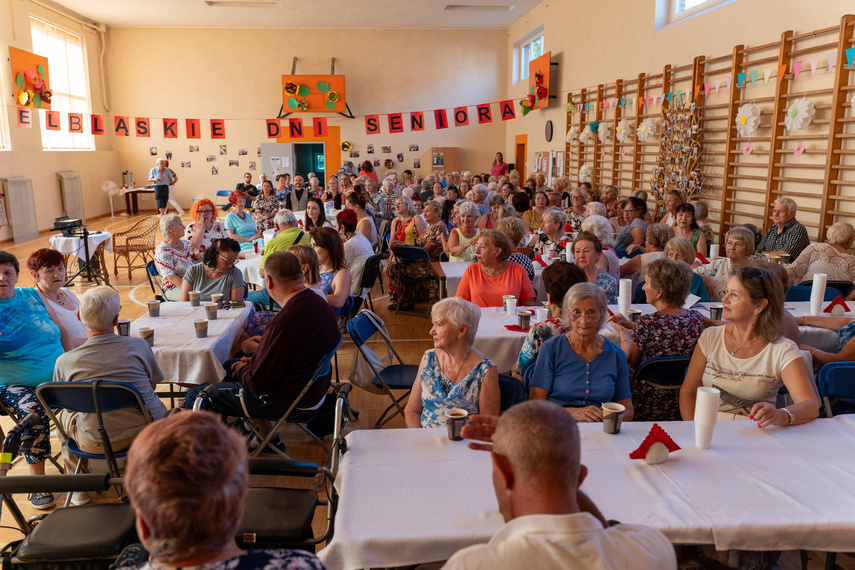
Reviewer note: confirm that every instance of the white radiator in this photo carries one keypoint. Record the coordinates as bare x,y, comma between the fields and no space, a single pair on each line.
21,207
72,194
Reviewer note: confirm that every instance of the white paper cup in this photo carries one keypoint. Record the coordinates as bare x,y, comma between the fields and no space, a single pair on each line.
195,296
511,306
201,326
612,417
505,299
147,334
154,308
706,415
218,299
713,251
211,311
541,314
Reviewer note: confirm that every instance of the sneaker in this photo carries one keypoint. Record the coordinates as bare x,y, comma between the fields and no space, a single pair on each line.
80,498
277,443
42,501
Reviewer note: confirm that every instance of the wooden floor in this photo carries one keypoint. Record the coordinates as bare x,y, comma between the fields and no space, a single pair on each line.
410,333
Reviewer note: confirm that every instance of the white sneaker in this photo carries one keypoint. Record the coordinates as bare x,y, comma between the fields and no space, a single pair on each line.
80,498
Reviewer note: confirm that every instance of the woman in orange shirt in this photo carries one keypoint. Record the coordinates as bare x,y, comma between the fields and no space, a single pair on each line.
494,275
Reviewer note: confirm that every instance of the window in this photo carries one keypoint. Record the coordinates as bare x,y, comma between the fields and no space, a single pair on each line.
527,49
669,12
68,82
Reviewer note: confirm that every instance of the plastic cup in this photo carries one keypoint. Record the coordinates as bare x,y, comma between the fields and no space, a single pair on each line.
218,299
211,311
716,312
511,306
541,313
124,327
505,299
706,415
785,258
524,318
201,326
714,248
456,419
147,334
195,297
154,308
634,314
612,417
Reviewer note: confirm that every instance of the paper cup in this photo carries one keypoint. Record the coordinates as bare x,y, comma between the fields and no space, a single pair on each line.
218,299
713,251
541,313
154,308
511,307
201,326
634,314
147,334
716,312
455,420
706,415
612,417
785,258
524,318
211,311
195,296
124,327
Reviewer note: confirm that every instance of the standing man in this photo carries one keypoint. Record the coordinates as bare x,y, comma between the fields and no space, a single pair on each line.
298,198
161,177
787,235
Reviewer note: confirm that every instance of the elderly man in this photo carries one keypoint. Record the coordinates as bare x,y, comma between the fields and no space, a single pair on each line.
287,234
261,180
106,356
550,523
297,198
345,184
554,199
787,235
292,344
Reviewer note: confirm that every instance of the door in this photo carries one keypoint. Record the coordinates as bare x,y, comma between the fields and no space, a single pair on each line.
277,158
519,160
309,157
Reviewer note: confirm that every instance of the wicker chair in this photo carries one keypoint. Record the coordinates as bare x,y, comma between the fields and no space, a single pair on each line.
135,245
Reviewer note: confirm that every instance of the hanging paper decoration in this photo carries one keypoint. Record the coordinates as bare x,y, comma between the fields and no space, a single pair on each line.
30,74
388,163
623,131
799,115
314,93
603,133
747,149
346,146
678,164
747,119
573,133
538,95
645,130
587,134
800,149
586,173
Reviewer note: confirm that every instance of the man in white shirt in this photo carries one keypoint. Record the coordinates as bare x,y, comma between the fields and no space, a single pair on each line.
549,522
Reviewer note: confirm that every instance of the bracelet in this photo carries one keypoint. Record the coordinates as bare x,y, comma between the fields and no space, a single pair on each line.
792,417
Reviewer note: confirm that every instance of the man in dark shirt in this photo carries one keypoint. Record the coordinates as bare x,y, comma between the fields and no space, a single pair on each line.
247,186
290,348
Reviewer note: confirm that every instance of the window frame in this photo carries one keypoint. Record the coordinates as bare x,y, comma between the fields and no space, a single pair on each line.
522,55
666,14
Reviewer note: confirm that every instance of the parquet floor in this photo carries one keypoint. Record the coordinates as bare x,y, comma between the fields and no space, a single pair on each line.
409,332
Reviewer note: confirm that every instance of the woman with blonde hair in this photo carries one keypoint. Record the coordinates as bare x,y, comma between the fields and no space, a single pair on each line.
515,230
671,200
310,266
832,257
739,246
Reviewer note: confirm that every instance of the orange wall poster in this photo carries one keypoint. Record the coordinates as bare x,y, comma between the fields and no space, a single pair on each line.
30,75
313,94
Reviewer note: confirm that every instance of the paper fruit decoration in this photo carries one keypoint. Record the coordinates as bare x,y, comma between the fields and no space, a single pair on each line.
799,115
314,93
572,134
30,75
345,146
747,119
623,131
645,130
655,447
603,132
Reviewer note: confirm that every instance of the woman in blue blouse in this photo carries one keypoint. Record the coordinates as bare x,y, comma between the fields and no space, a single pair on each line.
239,224
581,370
29,346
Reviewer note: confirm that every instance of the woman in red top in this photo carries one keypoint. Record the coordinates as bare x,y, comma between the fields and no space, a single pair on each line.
367,170
499,166
495,275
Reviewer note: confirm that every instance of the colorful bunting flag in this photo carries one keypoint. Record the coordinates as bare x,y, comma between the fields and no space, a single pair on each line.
850,55
717,85
832,59
753,77
814,62
706,89
767,73
740,79
729,81
697,90
797,66
782,70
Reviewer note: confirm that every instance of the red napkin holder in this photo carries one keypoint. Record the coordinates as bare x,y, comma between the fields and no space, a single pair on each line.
837,301
539,260
702,259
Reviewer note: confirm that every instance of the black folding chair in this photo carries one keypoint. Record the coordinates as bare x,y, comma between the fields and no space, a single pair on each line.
153,277
511,390
414,254
370,273
655,386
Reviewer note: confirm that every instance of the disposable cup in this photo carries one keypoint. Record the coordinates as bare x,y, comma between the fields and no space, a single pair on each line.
201,326
716,312
541,313
634,314
211,311
124,327
524,318
195,296
154,308
706,415
147,334
612,417
511,307
218,299
455,420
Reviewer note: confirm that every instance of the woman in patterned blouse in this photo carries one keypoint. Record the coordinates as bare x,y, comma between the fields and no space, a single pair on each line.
172,256
587,251
204,229
265,207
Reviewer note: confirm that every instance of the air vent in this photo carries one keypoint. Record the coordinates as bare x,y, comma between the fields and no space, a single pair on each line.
477,8
241,4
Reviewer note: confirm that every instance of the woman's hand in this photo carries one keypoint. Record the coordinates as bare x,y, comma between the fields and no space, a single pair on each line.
621,321
632,247
589,415
765,414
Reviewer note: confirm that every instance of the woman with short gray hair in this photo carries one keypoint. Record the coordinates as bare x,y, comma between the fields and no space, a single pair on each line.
602,228
832,257
453,374
552,237
172,256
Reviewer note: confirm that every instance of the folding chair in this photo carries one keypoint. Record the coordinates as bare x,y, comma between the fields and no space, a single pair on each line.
845,287
656,386
414,254
224,206
154,277
348,311
94,397
836,388
7,411
512,391
393,377
369,276
798,293
383,232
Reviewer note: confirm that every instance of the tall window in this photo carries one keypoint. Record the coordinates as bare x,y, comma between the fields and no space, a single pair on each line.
670,12
68,82
526,49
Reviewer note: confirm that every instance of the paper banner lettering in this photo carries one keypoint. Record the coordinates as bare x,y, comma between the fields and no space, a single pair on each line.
218,129
417,121
484,114
25,117
814,62
461,116
729,81
396,123
295,128
75,123
717,85
797,66
52,120
372,124
832,59
706,89
193,129
753,77
850,55
170,128
97,123
767,73
782,70
274,128
740,79
440,118
141,127
507,109
319,127
120,126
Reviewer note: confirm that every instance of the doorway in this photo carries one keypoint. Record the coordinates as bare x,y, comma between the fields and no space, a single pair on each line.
309,157
520,148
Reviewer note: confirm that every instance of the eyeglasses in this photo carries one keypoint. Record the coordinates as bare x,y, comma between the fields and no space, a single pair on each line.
227,262
590,316
204,211
629,210
754,273
575,197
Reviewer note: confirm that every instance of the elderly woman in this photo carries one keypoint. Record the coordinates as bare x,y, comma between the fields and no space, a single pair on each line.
203,463
701,214
832,257
553,239
617,219
453,374
685,226
681,249
748,360
657,237
514,229
600,227
29,346
239,223
336,280
461,240
610,199
172,256
558,278
216,274
533,219
204,229
521,203
487,221
265,207
594,209
576,211
484,283
634,229
581,370
358,202
670,331
673,199
47,267
161,178
376,201
587,251
315,216
559,186
406,226
739,246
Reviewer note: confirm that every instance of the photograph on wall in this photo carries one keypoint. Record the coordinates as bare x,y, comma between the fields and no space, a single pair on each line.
258,151
223,149
414,148
417,163
211,158
168,155
354,154
376,163
400,157
438,159
215,170
370,149
234,163
387,150
242,151
152,150
194,148
185,164
252,165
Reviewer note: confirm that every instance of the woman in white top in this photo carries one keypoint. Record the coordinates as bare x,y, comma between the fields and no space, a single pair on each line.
47,266
204,228
748,360
461,240
673,198
657,238
739,246
172,256
832,258
357,250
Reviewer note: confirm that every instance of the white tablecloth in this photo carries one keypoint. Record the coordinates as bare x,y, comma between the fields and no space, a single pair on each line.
74,245
249,267
497,342
181,356
412,496
454,273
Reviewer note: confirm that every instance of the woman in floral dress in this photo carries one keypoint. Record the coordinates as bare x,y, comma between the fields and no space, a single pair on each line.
265,207
431,240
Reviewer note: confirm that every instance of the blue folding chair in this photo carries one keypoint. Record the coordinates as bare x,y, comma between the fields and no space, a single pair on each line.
655,386
799,293
224,206
837,388
845,287
154,277
512,391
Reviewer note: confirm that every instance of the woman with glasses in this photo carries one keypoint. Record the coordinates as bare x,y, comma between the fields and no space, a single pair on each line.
576,211
580,369
552,237
587,251
748,360
204,229
739,246
216,274
657,237
635,229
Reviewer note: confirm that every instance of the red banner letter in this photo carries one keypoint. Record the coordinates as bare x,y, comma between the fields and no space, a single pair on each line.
417,121
191,126
218,129
97,122
441,119
25,117
484,115
142,128
507,108
396,123
52,120
121,126
170,128
274,128
75,123
461,117
372,124
295,128
320,126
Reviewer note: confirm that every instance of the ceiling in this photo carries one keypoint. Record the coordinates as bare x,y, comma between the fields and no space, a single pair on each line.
311,14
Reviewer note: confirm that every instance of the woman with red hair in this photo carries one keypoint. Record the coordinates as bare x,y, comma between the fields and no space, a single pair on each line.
367,170
204,228
47,266
239,223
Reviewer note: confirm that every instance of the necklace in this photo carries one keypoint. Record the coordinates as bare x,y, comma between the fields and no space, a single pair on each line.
459,368
738,348
59,299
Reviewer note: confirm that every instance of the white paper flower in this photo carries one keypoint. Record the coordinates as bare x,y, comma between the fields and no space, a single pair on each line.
646,129
799,115
587,134
586,173
572,134
603,133
623,131
747,119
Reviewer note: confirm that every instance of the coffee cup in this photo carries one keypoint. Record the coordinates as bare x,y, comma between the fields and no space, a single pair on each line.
542,313
211,311
716,312
218,299
505,299
775,258
524,318
634,314
154,308
195,296
201,326
456,419
147,334
124,327
785,258
612,417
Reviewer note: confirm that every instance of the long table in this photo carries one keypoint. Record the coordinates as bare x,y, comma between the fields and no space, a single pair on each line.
181,356
249,267
413,496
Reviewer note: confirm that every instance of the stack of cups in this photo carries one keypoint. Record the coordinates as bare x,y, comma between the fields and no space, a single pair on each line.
510,304
624,296
706,414
817,293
